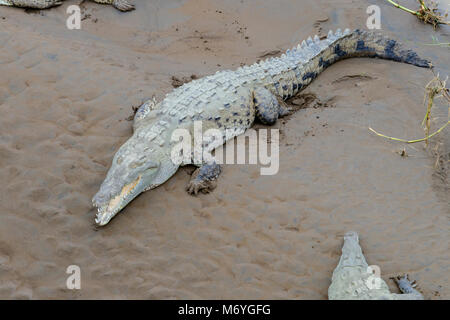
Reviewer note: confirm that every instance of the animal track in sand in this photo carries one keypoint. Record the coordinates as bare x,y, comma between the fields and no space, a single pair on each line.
354,77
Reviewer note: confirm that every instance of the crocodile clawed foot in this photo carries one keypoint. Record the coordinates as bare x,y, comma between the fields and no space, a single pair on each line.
123,5
196,185
204,179
285,111
404,284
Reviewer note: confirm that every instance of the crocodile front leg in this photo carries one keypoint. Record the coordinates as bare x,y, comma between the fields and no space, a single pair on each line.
204,178
123,5
407,288
268,107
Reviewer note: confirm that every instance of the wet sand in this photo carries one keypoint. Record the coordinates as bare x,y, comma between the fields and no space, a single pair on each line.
65,96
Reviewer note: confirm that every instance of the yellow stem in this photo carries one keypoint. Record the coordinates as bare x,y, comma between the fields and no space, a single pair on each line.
411,141
403,8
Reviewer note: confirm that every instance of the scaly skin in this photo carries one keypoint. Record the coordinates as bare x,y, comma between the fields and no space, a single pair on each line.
122,5
352,281
227,100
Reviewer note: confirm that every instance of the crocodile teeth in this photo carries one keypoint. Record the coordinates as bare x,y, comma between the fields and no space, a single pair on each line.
309,41
347,31
316,39
303,44
339,32
330,34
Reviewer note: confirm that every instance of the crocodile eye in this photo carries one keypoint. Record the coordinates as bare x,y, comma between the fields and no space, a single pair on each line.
119,160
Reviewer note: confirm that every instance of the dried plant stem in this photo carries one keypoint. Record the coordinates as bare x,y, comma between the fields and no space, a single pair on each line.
402,7
440,44
435,88
411,141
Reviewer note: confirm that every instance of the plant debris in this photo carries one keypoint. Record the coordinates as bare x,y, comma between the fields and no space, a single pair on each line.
427,13
436,88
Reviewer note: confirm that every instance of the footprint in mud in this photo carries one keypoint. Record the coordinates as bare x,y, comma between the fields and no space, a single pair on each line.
309,100
39,195
303,101
318,27
268,54
34,11
354,78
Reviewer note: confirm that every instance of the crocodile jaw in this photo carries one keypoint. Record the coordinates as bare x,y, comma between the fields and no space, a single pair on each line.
107,211
104,216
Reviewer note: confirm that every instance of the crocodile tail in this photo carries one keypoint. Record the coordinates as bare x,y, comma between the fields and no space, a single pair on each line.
360,43
374,44
349,44
307,60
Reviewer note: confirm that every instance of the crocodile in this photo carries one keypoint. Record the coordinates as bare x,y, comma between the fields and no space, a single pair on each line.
354,280
229,101
122,5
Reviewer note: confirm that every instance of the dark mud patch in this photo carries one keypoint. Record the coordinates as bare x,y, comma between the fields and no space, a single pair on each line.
178,82
318,27
440,151
309,100
134,109
34,11
303,101
268,54
354,77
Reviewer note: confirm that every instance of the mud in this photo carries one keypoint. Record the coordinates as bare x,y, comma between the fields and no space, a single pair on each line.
65,96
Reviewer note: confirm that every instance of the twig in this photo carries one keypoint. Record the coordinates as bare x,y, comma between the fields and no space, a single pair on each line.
402,7
411,141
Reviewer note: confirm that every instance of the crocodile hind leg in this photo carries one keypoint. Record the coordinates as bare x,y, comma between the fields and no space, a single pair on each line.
268,107
204,178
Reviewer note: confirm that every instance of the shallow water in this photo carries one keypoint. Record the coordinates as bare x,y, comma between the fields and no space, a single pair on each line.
65,96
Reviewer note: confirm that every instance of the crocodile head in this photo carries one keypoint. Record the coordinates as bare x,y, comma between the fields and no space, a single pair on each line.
135,169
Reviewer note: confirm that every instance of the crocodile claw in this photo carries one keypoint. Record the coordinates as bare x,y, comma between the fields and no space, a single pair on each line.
196,185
